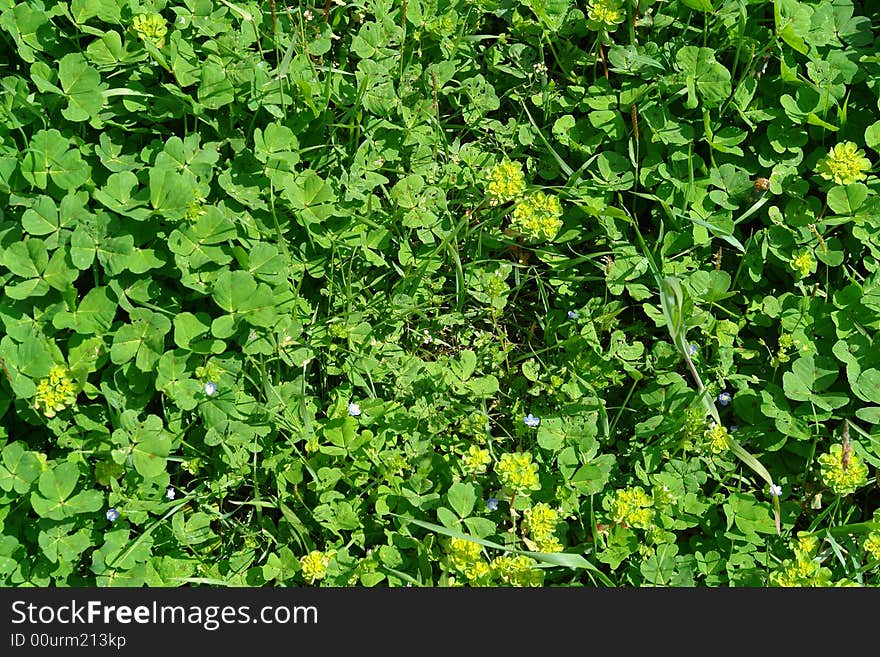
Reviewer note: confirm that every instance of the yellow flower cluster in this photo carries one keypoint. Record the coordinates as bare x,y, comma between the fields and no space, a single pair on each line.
842,481
604,13
518,473
786,342
540,523
467,558
715,439
314,565
463,552
537,215
56,392
475,461
505,182
803,263
805,569
517,570
633,507
151,27
872,544
844,164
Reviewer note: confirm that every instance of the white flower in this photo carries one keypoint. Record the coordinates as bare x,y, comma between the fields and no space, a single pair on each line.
775,490
210,388
354,409
170,493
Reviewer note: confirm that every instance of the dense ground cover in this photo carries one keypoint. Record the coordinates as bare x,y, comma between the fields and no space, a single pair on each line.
317,294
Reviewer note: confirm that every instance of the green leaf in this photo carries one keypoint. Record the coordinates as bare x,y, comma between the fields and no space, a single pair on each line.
83,248
189,326
699,5
809,375
551,12
551,434
242,298
152,444
193,530
19,468
170,192
106,10
82,86
93,316
48,157
42,218
705,76
215,89
26,259
848,199
58,544
872,136
483,386
793,23
54,499
143,339
311,196
591,478
461,497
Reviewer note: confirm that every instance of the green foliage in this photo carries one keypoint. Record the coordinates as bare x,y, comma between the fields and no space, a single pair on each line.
439,292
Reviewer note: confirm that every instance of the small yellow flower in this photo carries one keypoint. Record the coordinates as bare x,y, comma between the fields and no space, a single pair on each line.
505,182
56,392
466,557
842,481
805,569
715,439
151,27
478,572
604,14
803,263
872,544
549,544
632,506
537,216
540,521
807,544
518,473
475,461
517,570
844,164
314,565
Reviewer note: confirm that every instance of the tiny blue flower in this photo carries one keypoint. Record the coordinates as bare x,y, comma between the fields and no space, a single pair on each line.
170,493
775,490
112,514
531,421
354,409
692,349
734,428
210,388
572,314
492,503
724,398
